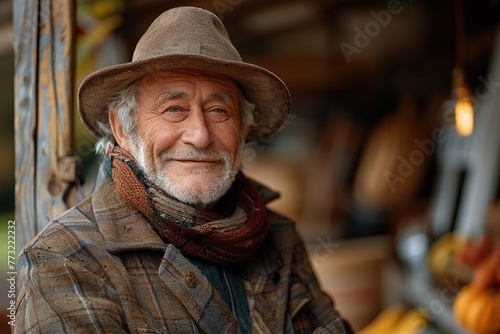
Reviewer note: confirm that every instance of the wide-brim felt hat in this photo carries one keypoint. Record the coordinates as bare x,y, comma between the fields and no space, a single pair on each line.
188,38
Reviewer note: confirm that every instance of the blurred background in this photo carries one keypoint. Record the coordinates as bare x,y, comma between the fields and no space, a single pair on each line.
372,163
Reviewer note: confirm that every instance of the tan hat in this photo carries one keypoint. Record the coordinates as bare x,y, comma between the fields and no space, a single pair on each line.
188,38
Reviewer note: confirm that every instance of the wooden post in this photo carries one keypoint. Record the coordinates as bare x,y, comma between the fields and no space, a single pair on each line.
46,171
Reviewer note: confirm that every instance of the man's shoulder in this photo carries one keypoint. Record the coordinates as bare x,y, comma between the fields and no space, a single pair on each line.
279,221
68,232
267,195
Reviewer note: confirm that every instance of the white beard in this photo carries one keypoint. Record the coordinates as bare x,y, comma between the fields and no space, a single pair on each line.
191,195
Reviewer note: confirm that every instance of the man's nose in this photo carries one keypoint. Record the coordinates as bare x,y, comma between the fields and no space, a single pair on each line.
197,130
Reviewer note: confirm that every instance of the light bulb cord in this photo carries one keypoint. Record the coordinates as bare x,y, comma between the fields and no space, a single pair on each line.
460,38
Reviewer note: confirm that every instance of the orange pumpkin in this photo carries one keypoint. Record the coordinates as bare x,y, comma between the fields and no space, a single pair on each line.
477,309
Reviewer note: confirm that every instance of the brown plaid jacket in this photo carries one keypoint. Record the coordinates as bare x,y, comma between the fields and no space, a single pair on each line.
100,268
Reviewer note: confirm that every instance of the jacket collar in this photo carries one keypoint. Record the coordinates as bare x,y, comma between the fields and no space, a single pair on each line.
123,227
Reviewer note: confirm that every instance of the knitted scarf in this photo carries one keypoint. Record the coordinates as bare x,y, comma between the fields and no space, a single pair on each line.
196,232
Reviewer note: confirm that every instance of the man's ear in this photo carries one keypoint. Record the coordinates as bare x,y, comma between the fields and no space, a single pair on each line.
116,127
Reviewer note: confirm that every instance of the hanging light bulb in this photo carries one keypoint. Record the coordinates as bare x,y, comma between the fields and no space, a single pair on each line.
464,108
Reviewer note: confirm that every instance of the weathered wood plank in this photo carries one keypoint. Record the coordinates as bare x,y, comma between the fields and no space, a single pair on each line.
64,61
25,41
44,108
55,104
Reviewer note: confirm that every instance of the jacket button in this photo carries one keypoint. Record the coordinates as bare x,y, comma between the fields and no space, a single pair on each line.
190,279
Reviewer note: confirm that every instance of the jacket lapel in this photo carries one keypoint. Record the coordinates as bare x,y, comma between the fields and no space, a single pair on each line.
275,292
123,227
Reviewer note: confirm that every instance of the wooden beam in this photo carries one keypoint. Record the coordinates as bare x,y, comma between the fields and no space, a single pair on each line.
309,73
45,167
25,41
55,106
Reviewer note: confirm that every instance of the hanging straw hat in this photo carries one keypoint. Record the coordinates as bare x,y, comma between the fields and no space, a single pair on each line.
187,38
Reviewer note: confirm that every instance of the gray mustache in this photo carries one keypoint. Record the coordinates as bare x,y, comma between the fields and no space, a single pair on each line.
194,154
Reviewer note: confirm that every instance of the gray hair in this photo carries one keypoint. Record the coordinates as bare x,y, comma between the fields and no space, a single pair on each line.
124,105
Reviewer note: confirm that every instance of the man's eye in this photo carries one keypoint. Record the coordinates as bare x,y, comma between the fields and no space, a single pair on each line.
218,114
175,114
174,109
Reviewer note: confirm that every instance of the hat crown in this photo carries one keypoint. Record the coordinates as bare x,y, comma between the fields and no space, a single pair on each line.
186,31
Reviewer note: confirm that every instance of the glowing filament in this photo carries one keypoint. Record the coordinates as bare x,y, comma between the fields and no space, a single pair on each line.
464,116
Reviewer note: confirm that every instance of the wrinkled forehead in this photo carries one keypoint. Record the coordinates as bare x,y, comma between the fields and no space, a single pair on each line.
186,77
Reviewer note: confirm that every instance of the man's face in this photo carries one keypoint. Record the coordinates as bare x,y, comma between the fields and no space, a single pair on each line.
189,134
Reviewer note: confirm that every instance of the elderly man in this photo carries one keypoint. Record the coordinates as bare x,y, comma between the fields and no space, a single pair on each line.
175,239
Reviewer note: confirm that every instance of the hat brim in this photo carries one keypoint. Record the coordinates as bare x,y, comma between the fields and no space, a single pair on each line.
260,86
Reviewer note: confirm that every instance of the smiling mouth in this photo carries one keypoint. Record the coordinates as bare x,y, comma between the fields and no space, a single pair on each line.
197,161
